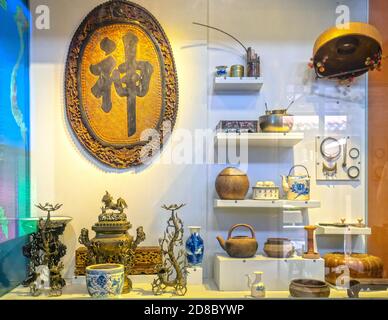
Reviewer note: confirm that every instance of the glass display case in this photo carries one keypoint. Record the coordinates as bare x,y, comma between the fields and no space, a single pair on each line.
194,149
14,140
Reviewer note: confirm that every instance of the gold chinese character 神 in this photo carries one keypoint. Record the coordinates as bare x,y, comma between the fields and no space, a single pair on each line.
121,83
131,79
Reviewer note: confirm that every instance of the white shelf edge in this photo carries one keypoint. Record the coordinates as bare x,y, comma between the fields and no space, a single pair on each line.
326,230
238,84
262,138
282,204
261,257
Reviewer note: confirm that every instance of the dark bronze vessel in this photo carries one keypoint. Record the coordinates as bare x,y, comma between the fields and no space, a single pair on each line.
112,243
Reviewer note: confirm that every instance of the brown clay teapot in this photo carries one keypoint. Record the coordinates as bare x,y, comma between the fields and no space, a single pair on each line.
239,246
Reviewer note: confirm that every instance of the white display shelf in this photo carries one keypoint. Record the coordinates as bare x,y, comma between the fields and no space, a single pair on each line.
208,290
262,139
283,204
324,230
195,276
238,84
277,273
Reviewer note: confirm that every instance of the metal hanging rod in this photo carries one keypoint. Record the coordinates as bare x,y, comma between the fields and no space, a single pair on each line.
234,38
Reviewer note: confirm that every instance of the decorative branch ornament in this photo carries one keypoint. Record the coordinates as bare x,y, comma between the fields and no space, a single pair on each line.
45,249
173,272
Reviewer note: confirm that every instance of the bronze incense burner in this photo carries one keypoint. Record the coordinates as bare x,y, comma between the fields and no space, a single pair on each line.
112,243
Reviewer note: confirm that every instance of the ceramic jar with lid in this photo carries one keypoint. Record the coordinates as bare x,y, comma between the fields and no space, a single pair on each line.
232,184
265,190
279,248
237,71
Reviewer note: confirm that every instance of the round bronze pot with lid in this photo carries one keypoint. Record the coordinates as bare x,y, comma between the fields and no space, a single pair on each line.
279,248
232,184
237,71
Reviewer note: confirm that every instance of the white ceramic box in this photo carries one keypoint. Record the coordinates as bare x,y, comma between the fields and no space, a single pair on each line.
230,273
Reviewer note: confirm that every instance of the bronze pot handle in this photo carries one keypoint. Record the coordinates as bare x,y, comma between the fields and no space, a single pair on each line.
241,225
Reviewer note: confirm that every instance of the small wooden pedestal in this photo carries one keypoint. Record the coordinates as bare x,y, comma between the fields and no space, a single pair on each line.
311,254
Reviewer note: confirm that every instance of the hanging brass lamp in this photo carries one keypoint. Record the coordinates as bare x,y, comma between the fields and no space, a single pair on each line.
347,51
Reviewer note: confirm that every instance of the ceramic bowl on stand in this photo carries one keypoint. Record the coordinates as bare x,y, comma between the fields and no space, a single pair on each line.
105,280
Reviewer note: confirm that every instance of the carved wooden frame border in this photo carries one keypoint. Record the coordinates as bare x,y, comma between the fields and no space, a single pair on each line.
111,12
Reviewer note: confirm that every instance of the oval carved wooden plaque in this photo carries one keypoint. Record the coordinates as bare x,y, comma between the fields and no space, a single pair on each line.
120,82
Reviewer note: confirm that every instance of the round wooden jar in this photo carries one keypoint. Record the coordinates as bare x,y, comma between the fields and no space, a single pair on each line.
361,266
232,184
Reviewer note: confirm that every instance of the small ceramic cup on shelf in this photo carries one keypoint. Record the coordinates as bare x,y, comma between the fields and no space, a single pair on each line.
221,71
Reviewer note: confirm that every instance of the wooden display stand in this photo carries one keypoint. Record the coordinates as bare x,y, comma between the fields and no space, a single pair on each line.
311,254
195,276
230,273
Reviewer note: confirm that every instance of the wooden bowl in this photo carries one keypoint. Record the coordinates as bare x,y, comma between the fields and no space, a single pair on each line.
309,288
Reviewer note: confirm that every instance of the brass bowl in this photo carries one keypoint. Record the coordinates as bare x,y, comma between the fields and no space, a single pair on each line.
276,121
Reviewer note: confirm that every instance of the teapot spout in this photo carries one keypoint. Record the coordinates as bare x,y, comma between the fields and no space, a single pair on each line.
221,242
285,185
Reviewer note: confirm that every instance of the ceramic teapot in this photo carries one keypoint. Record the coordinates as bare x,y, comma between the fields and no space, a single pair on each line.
297,187
239,246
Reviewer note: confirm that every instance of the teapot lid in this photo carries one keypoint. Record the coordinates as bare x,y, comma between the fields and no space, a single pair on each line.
231,171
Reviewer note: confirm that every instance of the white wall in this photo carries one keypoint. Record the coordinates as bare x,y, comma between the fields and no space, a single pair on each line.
62,173
282,31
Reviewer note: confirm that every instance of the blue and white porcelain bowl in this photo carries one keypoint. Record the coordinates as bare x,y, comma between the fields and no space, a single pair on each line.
221,71
105,280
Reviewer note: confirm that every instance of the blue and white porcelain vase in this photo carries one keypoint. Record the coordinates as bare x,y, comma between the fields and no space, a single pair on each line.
105,280
194,247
